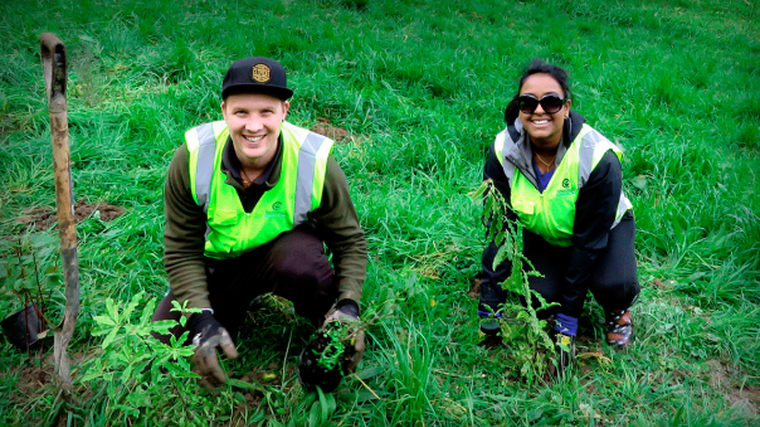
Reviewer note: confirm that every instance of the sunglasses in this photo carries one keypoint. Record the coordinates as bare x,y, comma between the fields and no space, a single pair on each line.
551,103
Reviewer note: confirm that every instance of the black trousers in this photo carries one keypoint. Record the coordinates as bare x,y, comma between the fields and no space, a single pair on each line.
293,266
613,282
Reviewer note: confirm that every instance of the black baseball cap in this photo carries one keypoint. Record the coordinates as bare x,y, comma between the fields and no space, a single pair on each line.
256,75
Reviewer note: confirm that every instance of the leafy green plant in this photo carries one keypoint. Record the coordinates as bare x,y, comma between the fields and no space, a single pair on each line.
27,271
321,407
329,353
21,267
337,337
134,376
520,327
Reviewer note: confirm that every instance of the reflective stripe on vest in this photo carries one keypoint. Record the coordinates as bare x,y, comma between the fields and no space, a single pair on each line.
204,138
552,213
307,160
285,206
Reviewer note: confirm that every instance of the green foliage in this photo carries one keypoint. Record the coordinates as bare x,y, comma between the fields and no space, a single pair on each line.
28,271
338,336
136,376
134,379
525,335
406,353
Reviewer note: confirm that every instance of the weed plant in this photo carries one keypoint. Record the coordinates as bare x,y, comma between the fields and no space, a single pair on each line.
420,88
522,331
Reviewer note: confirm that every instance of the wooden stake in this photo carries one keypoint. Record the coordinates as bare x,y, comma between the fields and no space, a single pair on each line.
55,69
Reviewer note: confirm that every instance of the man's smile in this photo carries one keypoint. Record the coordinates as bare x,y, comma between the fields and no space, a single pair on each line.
253,138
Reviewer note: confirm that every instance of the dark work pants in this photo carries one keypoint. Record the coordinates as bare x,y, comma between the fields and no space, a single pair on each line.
293,266
613,281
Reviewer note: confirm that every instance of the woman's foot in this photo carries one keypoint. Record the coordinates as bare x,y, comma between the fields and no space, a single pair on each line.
619,328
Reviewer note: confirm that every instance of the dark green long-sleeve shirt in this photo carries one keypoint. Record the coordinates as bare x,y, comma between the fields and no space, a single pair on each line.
335,220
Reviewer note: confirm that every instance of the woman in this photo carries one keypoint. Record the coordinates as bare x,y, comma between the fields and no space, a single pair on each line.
563,181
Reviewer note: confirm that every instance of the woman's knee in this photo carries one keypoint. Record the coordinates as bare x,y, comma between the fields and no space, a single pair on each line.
618,295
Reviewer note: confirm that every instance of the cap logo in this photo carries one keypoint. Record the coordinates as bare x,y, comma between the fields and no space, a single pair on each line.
261,73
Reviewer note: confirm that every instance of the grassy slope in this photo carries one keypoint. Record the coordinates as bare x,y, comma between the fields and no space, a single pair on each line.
420,87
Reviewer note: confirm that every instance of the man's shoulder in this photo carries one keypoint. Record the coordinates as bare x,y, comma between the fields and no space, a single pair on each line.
205,134
181,154
306,140
179,165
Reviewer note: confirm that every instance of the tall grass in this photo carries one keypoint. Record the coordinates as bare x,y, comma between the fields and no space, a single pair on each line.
420,88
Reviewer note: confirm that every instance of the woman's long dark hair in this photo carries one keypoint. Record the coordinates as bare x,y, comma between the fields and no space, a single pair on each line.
537,66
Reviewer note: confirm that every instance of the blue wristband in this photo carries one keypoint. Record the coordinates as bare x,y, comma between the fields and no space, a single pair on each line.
566,325
485,314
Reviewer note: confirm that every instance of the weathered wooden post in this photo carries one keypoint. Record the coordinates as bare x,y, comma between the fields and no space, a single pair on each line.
55,69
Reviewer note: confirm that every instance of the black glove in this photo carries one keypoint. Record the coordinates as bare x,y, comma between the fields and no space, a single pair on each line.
208,334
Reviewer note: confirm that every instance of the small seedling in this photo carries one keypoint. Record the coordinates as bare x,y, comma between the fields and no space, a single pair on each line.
336,340
324,360
23,274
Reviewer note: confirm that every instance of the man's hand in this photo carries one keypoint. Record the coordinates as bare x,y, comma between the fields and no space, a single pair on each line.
347,312
208,334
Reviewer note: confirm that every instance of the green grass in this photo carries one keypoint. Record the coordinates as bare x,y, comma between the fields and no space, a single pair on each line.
420,87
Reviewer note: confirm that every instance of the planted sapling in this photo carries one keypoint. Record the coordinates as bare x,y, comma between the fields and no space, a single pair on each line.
325,359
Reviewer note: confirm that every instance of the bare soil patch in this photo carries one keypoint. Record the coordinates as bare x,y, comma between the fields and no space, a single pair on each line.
744,398
32,380
325,127
44,217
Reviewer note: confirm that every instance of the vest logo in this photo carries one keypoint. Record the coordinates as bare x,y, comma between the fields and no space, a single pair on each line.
261,73
565,183
275,211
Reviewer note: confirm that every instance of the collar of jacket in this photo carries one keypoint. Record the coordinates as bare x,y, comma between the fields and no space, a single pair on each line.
231,167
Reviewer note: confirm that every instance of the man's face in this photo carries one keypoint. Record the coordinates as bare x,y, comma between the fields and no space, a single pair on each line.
254,121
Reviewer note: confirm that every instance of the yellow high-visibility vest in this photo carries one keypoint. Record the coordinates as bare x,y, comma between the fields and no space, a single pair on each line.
552,213
230,230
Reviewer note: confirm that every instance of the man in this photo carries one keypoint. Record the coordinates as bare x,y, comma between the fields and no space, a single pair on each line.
250,203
